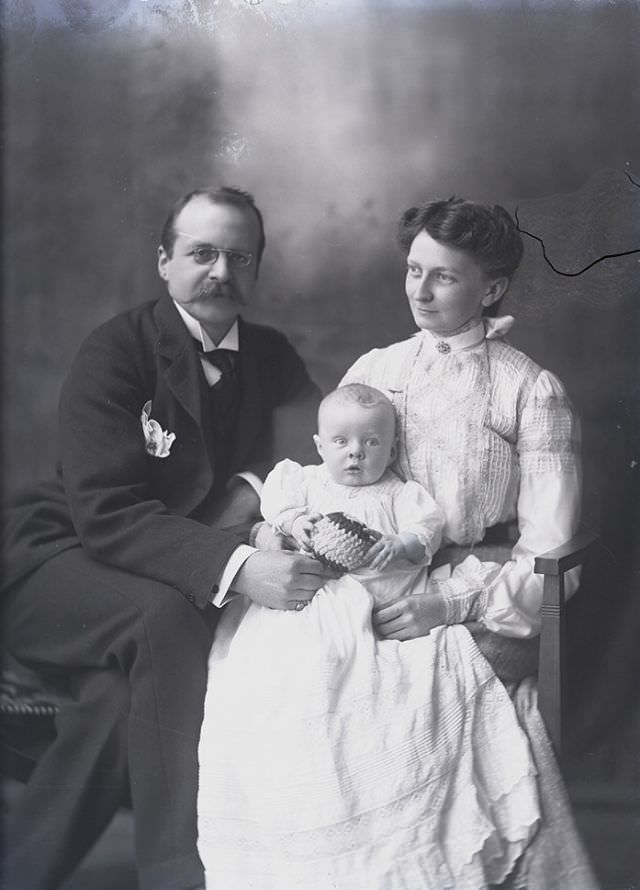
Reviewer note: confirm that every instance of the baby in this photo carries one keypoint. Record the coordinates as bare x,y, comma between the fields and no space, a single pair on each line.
356,440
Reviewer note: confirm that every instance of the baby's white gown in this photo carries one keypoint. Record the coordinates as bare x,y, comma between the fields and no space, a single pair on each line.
332,760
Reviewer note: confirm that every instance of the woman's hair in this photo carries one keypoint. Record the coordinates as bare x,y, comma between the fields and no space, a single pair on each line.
488,233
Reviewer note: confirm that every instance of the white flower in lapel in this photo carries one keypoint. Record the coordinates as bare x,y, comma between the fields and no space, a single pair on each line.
157,443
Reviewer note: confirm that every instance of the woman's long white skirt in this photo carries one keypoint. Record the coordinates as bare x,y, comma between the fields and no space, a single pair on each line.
331,760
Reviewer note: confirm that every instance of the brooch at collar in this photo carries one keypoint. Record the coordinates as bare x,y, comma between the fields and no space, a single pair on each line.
157,442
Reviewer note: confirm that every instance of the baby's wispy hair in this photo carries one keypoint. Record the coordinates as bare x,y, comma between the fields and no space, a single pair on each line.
358,394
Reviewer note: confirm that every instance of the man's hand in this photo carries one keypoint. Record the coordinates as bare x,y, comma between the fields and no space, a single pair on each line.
281,579
387,550
409,617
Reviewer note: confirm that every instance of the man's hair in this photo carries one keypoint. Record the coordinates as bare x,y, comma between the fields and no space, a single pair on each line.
223,195
487,232
358,394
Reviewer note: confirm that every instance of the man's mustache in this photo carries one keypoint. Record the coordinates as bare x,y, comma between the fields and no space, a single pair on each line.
221,290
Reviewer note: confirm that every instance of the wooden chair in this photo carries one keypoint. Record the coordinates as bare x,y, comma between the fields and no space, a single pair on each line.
552,670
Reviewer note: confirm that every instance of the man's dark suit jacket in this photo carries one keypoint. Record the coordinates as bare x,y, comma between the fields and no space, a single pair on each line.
137,512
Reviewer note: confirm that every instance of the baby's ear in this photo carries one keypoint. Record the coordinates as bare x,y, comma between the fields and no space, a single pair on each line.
393,453
318,443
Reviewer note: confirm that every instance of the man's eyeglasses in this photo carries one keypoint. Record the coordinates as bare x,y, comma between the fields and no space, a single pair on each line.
208,256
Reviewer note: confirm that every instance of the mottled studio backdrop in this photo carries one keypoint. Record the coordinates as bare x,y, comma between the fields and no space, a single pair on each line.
337,115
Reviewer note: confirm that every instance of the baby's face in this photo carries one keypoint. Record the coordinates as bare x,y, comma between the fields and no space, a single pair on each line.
357,444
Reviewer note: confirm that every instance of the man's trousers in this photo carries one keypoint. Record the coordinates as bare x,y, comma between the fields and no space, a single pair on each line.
137,651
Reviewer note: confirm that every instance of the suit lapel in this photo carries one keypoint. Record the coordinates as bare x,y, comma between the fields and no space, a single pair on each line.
181,368
180,402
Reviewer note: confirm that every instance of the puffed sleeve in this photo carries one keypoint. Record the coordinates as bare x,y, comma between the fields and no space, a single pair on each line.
284,495
361,371
416,513
507,599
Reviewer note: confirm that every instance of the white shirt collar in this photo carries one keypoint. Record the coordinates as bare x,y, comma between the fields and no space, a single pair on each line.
486,328
229,341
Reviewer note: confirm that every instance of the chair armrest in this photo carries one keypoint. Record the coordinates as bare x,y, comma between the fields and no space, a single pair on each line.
552,668
567,556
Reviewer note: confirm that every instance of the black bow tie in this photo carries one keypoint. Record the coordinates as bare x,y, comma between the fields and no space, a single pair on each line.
223,359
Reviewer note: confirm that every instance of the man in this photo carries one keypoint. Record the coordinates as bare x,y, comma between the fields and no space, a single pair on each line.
116,567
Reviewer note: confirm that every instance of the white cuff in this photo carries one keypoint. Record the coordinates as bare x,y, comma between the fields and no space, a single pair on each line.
463,600
254,481
462,607
233,566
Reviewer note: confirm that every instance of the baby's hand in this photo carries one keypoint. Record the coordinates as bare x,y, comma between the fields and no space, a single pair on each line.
302,529
387,550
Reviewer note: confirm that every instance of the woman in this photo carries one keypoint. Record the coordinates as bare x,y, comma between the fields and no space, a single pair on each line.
503,447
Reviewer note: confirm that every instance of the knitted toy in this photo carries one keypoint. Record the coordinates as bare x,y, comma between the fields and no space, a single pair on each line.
341,542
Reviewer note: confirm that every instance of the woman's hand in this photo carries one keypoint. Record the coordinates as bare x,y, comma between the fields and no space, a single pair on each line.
409,617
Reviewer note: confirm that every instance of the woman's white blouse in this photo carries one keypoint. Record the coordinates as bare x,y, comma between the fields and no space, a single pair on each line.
493,438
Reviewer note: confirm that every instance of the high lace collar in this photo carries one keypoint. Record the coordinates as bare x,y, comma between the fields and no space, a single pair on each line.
486,328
